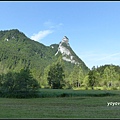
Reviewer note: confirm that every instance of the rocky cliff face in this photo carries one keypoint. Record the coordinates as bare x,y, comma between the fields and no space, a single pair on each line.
66,51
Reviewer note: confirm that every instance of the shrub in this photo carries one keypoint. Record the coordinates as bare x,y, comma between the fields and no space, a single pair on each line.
19,85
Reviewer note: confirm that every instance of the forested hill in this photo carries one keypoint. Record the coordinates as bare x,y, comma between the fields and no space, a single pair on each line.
102,68
18,51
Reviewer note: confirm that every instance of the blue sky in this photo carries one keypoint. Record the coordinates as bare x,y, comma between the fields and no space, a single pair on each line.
93,28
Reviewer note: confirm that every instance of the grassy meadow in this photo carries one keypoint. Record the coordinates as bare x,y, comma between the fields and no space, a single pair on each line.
55,103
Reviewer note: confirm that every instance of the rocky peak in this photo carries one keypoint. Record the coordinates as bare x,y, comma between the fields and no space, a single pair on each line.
64,49
65,40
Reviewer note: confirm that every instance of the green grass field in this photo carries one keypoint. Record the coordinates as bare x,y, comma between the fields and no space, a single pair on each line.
81,106
76,93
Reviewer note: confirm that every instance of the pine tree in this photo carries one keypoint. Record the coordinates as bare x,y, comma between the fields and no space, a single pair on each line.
56,76
93,77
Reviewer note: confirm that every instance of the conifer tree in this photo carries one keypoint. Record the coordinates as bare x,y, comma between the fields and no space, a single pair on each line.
56,76
93,77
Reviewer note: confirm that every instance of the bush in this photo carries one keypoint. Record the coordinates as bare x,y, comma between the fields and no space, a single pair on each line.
19,85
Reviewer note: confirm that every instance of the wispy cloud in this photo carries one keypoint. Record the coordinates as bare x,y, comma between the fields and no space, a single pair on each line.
109,56
100,56
52,25
97,59
41,34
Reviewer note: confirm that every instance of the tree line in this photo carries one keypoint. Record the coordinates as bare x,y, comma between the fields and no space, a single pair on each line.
23,84
103,77
106,77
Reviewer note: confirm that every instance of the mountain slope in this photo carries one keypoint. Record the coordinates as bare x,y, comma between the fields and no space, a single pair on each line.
67,53
18,51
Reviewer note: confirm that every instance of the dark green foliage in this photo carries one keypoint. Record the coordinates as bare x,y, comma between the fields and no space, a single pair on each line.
25,81
56,76
92,79
54,47
18,51
101,68
20,85
106,77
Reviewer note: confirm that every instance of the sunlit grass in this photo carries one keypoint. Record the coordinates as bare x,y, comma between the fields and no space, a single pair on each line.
67,107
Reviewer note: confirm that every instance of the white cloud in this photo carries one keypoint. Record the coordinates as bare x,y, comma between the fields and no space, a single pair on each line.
41,34
51,28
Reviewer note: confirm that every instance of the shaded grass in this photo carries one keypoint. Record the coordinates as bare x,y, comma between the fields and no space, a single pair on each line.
75,93
67,107
47,93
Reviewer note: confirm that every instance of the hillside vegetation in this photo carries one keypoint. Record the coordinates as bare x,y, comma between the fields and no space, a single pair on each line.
17,52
